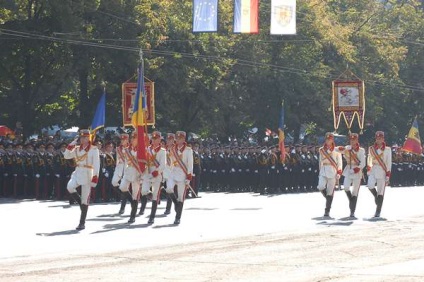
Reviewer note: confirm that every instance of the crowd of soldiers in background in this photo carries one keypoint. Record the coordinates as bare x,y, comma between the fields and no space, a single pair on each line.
37,169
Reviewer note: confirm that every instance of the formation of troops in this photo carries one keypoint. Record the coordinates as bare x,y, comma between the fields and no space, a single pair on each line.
99,172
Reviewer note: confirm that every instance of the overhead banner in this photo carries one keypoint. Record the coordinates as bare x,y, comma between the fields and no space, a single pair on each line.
205,15
129,89
348,102
283,17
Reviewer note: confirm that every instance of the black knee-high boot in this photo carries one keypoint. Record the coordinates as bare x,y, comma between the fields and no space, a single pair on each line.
324,193
174,200
153,212
349,195
168,204
143,204
352,205
179,211
76,197
380,199
134,204
124,197
84,209
374,192
328,205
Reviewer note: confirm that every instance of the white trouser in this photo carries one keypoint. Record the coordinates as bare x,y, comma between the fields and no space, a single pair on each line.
381,184
85,190
181,188
326,183
115,179
135,186
145,188
355,182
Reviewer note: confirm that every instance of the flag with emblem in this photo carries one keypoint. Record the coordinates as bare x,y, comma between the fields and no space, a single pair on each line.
281,134
139,118
99,117
205,15
413,141
283,17
246,16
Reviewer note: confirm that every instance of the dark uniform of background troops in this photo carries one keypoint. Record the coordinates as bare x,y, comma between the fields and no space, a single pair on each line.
222,169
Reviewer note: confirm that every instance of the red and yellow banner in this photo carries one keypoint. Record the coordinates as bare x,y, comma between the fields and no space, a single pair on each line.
129,90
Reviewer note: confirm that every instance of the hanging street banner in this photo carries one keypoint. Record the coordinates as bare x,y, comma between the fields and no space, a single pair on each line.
129,90
348,101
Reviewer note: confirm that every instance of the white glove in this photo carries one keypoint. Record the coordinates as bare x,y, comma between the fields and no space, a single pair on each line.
6,174
57,175
103,170
107,175
37,175
15,174
187,182
387,179
337,176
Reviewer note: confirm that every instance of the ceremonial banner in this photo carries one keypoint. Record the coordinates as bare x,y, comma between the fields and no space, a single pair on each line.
129,89
246,16
348,101
205,15
283,17
413,142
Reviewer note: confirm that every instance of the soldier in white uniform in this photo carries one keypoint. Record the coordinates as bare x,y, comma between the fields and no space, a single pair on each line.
131,176
152,175
170,197
379,165
181,171
119,169
354,155
330,169
86,172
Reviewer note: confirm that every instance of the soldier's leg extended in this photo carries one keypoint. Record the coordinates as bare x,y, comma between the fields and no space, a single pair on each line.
170,184
72,189
156,196
181,187
381,186
125,194
331,183
145,190
322,184
135,186
347,182
371,186
168,199
85,195
355,192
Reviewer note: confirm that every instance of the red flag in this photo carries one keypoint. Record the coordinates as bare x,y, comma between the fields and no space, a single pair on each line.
139,119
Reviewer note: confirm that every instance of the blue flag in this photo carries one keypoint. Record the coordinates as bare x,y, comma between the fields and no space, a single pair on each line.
205,15
99,116
281,134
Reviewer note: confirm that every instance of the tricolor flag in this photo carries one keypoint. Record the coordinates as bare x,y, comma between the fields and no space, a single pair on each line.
246,16
281,134
283,17
413,142
205,15
139,119
99,117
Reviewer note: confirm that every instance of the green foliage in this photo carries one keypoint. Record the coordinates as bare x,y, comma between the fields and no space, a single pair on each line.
53,71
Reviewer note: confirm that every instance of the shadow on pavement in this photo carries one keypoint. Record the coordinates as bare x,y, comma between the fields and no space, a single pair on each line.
336,223
245,209
58,233
375,219
165,226
202,209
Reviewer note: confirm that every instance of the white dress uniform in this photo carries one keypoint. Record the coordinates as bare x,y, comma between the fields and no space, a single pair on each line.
355,162
87,165
131,173
156,165
328,172
181,166
86,173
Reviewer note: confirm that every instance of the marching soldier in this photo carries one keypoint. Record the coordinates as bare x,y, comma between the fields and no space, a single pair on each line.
86,172
330,169
354,155
131,176
379,165
181,172
170,142
152,175
119,169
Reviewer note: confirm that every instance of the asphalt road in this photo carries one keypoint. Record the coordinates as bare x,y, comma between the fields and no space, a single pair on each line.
222,237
